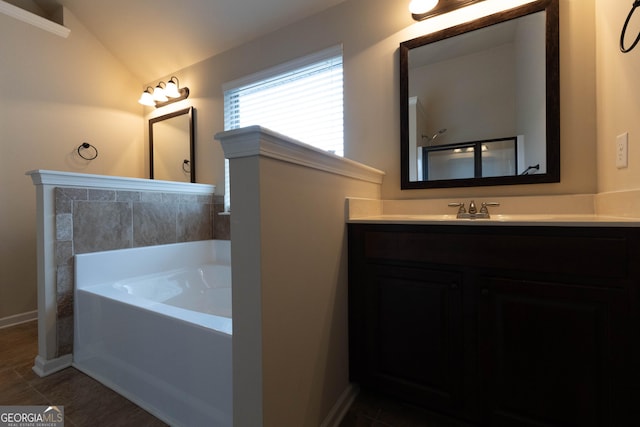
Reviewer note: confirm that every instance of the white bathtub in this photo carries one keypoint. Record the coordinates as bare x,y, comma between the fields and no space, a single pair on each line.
154,324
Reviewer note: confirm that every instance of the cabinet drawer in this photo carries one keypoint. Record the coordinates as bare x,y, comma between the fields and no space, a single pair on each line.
575,254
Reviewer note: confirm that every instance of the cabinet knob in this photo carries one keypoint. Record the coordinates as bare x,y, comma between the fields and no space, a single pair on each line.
484,292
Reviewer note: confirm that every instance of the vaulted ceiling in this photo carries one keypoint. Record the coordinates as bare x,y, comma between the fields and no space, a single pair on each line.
156,37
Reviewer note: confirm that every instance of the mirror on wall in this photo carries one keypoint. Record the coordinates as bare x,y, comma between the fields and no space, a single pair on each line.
172,146
480,104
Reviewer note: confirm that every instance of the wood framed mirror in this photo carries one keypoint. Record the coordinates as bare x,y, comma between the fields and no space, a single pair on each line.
172,146
480,102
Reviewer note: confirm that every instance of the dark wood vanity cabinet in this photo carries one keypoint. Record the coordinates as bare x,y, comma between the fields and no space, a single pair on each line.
410,340
499,325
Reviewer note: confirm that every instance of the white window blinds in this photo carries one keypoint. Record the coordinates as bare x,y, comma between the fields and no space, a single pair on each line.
301,99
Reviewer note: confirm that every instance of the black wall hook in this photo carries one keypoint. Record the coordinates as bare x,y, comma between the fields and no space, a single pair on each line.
186,166
85,146
635,5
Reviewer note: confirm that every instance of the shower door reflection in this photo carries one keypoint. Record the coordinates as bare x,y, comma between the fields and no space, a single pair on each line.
474,159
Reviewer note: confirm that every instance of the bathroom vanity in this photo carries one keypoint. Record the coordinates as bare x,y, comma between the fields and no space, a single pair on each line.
499,324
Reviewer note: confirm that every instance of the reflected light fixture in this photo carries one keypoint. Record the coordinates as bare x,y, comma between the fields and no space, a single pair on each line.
423,9
164,94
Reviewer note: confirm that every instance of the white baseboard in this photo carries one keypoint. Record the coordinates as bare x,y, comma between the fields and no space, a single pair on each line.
44,367
342,405
17,319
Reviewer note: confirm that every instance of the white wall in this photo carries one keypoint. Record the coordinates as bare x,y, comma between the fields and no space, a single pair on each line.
371,31
55,93
455,101
530,53
618,91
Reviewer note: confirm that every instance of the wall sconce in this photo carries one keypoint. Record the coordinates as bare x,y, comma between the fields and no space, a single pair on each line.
423,9
164,94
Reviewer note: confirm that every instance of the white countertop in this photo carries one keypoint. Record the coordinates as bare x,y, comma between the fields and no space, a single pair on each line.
582,210
566,220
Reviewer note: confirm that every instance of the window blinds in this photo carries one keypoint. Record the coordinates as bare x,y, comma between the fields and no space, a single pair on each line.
302,99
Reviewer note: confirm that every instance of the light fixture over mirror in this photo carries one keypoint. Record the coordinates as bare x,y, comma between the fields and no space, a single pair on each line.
420,7
423,9
158,93
171,89
164,94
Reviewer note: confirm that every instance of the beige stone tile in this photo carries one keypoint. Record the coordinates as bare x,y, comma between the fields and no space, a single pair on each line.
100,226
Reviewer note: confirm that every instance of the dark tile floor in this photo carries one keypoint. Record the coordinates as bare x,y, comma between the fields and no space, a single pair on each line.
87,403
373,410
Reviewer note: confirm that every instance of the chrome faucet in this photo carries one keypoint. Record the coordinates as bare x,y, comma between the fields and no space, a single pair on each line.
483,208
460,206
473,212
472,208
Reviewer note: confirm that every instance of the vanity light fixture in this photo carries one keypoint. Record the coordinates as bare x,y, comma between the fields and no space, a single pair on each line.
171,89
158,93
164,94
423,9
147,97
420,7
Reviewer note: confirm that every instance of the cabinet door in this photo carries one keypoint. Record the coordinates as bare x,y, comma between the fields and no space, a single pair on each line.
548,353
412,323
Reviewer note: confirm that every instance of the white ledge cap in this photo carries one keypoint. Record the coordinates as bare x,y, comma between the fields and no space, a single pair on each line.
73,179
258,141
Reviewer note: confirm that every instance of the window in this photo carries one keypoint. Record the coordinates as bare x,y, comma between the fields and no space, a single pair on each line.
301,99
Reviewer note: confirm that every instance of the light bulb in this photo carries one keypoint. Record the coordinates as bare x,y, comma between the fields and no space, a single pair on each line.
418,7
147,99
158,94
171,90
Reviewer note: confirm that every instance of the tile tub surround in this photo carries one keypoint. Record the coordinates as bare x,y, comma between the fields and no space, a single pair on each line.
81,213
97,220
93,220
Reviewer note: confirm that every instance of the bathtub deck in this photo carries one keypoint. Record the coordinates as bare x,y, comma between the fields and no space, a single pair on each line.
85,400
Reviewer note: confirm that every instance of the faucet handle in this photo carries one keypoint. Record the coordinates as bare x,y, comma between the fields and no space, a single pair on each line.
483,208
458,205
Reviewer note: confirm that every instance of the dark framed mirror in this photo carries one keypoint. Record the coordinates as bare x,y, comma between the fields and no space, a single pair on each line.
480,102
172,146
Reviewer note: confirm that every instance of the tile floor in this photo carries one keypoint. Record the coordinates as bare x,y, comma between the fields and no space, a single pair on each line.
87,403
373,410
